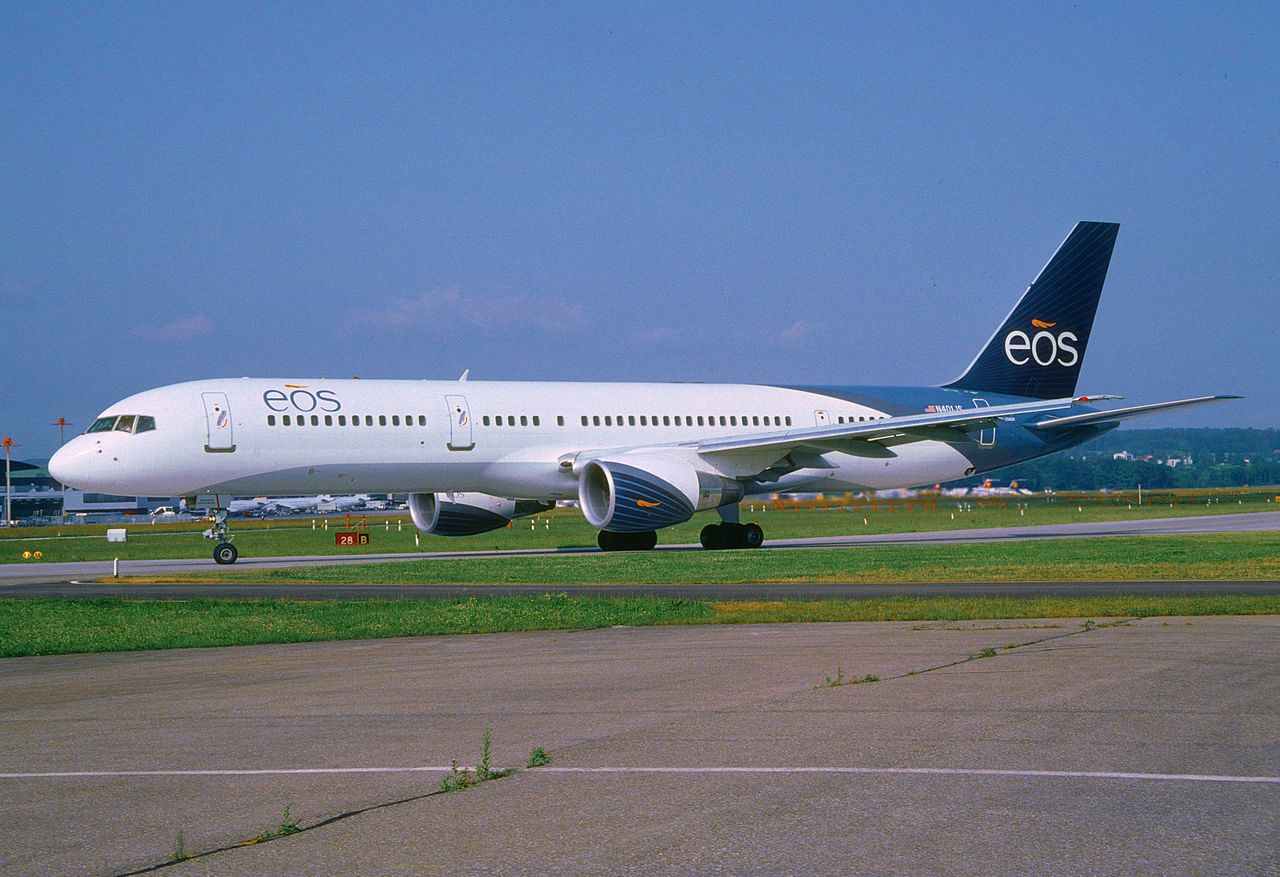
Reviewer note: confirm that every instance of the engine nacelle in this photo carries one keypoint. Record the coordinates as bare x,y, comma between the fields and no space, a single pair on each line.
636,493
466,514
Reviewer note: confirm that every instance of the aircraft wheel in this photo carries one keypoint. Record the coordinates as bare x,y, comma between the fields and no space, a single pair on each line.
752,536
225,553
712,537
642,541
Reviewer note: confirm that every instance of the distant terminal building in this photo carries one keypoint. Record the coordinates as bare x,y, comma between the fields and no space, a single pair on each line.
35,492
81,503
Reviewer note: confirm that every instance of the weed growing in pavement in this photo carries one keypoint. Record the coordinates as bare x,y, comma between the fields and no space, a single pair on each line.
461,778
288,825
538,757
840,679
458,778
180,848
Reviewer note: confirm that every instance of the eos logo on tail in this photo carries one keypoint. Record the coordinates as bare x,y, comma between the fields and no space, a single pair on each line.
1044,346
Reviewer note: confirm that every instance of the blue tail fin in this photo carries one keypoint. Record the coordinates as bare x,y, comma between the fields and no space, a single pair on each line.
1038,350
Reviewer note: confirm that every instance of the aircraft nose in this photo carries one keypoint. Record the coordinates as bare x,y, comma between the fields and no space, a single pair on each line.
70,465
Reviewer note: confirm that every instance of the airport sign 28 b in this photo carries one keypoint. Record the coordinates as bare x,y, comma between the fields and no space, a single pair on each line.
347,540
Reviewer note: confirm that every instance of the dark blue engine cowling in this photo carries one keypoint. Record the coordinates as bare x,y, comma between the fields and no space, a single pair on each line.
466,514
644,493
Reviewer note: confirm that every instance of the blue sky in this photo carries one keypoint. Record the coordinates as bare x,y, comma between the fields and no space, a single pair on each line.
764,193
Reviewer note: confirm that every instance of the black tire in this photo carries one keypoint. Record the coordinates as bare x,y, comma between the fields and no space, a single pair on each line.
752,536
642,541
712,537
225,552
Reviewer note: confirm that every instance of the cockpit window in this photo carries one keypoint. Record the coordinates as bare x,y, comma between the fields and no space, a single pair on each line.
145,423
125,423
103,424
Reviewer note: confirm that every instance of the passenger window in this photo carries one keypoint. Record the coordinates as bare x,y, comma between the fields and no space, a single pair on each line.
355,419
395,420
536,422
524,420
631,420
584,420
595,419
382,420
271,420
644,421
102,424
125,423
788,420
287,420
328,420
733,421
485,420
422,420
315,419
342,420
368,420
666,420
755,421
608,420
699,421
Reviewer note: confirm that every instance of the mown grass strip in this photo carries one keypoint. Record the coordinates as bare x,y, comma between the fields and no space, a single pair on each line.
1200,557
49,627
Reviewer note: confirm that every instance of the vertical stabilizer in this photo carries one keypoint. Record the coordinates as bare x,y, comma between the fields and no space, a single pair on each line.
1038,350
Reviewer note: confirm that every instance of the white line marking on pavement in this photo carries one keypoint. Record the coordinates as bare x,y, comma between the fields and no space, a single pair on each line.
911,771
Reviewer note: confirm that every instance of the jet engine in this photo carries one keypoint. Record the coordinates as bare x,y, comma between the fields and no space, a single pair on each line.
637,493
466,514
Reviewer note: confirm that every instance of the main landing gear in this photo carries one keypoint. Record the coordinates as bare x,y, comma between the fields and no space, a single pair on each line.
224,552
731,535
610,541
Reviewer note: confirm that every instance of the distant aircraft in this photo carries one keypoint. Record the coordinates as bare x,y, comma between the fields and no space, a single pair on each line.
638,457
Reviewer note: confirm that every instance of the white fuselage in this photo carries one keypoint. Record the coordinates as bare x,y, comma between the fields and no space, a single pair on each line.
246,436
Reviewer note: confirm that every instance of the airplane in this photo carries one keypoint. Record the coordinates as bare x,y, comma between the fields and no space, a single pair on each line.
637,457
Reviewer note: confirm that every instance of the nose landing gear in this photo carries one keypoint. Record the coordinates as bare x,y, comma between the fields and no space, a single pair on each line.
224,552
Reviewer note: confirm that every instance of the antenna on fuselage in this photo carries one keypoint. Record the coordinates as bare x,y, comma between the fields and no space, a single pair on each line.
465,372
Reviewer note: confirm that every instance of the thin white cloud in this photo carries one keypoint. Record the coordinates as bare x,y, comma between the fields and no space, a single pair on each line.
485,313
656,335
796,334
182,329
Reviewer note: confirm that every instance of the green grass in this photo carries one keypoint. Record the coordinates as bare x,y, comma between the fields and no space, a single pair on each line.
1204,557
566,528
49,627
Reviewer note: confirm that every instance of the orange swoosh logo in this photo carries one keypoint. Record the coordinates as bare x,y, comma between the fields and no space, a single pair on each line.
645,504
1041,324
304,386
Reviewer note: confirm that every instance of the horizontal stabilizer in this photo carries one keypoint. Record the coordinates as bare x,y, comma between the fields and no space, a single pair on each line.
1094,418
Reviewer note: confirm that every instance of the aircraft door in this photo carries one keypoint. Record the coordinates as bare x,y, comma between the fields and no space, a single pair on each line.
821,418
217,415
459,423
986,437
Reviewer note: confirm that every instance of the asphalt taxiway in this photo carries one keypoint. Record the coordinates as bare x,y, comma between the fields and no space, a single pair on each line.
61,573
985,748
